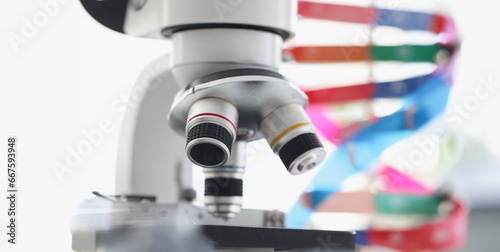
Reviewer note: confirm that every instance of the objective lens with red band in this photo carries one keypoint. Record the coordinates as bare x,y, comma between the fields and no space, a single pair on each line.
210,131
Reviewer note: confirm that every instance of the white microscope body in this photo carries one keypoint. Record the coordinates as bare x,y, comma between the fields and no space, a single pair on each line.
223,71
218,89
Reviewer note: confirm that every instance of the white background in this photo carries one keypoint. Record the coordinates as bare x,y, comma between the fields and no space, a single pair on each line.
66,77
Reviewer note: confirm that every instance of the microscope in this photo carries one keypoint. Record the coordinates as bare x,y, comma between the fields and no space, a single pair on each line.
199,106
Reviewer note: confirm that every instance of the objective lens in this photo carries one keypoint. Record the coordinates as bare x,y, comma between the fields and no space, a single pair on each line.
290,134
224,184
223,193
210,131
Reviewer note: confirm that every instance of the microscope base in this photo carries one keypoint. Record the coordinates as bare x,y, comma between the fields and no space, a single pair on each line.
103,225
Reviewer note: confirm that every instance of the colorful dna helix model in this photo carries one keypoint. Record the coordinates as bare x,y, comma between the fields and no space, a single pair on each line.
404,200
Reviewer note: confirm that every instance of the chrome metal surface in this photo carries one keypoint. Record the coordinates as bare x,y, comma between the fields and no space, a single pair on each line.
217,172
254,95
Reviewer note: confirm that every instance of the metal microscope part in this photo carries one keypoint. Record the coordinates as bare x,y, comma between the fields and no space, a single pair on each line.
224,184
280,118
210,131
223,191
103,225
172,16
280,239
255,92
290,134
211,238
149,151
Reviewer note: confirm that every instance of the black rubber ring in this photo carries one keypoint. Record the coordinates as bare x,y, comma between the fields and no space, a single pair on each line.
223,187
298,146
207,153
169,31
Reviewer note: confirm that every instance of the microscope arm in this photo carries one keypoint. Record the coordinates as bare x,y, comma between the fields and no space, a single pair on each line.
149,158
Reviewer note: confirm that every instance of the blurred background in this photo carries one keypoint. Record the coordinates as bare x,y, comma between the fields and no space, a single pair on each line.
71,73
